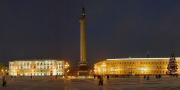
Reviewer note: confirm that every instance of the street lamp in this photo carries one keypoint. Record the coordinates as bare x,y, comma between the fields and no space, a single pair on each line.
2,70
66,69
66,65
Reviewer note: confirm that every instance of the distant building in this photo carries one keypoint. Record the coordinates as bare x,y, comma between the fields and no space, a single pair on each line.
37,67
134,66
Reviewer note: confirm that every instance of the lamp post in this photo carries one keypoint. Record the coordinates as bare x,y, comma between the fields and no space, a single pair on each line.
2,71
66,69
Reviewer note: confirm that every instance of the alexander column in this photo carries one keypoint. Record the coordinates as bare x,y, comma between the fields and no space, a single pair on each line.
83,69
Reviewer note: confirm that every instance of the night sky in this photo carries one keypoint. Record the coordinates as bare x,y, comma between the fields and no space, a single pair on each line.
115,29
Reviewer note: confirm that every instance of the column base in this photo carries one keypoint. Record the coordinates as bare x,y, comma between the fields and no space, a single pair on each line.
83,70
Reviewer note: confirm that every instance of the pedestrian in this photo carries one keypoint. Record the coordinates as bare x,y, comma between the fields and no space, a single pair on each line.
3,81
107,77
99,77
144,76
147,77
159,76
176,75
31,77
156,76
100,81
56,77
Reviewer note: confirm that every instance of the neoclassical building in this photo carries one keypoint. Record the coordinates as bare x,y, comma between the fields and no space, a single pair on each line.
37,67
133,66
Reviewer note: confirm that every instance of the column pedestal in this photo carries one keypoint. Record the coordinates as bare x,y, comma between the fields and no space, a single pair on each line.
83,70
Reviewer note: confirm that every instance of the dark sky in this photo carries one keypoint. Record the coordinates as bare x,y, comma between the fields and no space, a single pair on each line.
115,28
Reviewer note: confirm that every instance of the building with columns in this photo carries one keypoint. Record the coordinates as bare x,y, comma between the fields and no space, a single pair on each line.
134,66
38,67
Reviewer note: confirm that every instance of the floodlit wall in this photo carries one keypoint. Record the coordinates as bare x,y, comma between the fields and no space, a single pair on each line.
133,66
37,67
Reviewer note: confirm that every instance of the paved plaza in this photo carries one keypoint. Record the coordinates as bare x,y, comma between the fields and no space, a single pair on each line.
92,84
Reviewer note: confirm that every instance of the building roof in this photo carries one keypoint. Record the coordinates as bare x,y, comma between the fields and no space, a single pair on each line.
141,59
42,60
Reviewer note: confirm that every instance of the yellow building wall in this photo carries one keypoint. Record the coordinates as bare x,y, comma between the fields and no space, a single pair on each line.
133,66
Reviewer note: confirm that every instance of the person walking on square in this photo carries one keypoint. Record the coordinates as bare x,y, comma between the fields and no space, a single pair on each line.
107,77
144,76
99,77
100,81
147,77
3,81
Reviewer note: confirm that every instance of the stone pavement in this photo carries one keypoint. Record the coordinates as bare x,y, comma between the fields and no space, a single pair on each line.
91,84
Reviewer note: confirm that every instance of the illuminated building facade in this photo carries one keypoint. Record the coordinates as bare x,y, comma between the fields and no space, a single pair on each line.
133,66
37,68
